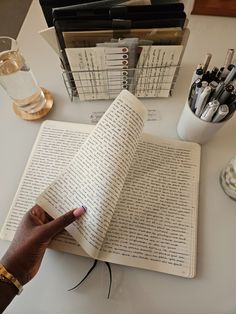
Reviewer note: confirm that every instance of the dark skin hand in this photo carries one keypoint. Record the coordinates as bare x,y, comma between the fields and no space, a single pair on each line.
25,253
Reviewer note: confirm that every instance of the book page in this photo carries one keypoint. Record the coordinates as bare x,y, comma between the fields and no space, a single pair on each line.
97,173
155,223
55,146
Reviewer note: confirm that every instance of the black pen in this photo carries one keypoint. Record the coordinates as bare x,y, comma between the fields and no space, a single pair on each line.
230,67
195,96
232,108
213,74
206,76
231,98
192,93
218,75
197,75
193,87
226,93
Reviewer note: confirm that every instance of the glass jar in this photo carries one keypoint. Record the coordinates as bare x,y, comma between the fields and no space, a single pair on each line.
228,178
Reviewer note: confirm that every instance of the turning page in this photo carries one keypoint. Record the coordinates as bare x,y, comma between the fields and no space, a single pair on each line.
96,174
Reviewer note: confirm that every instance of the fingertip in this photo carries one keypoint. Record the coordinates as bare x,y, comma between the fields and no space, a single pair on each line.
79,211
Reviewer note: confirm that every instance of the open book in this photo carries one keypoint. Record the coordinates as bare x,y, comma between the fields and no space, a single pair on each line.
141,191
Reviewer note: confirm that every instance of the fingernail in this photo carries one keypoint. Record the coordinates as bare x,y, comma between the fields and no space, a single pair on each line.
78,212
84,207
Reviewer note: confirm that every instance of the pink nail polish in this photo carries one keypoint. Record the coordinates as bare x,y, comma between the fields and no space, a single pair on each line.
78,212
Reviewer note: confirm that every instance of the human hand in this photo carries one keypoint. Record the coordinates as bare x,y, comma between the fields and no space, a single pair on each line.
36,230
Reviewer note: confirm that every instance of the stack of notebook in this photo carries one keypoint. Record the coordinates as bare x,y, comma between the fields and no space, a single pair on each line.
106,47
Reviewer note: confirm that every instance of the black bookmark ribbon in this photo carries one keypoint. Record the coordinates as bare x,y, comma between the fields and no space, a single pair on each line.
90,271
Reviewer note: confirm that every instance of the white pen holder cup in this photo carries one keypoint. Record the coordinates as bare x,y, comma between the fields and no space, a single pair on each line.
192,128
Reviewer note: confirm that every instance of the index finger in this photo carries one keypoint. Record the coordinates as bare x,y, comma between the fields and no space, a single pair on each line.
55,226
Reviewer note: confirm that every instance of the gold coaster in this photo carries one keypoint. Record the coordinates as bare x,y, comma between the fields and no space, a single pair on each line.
37,115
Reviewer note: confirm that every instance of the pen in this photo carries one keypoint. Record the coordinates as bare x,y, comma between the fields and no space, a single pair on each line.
199,91
192,92
230,67
221,113
231,98
227,63
206,76
229,57
204,84
218,90
195,96
206,61
199,66
210,110
232,108
197,75
230,76
220,73
202,100
213,85
226,93
213,74
212,95
226,71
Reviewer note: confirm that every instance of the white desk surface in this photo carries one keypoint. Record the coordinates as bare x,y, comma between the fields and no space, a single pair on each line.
133,290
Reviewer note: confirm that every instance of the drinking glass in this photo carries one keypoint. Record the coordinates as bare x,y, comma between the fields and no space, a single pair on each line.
228,178
17,79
